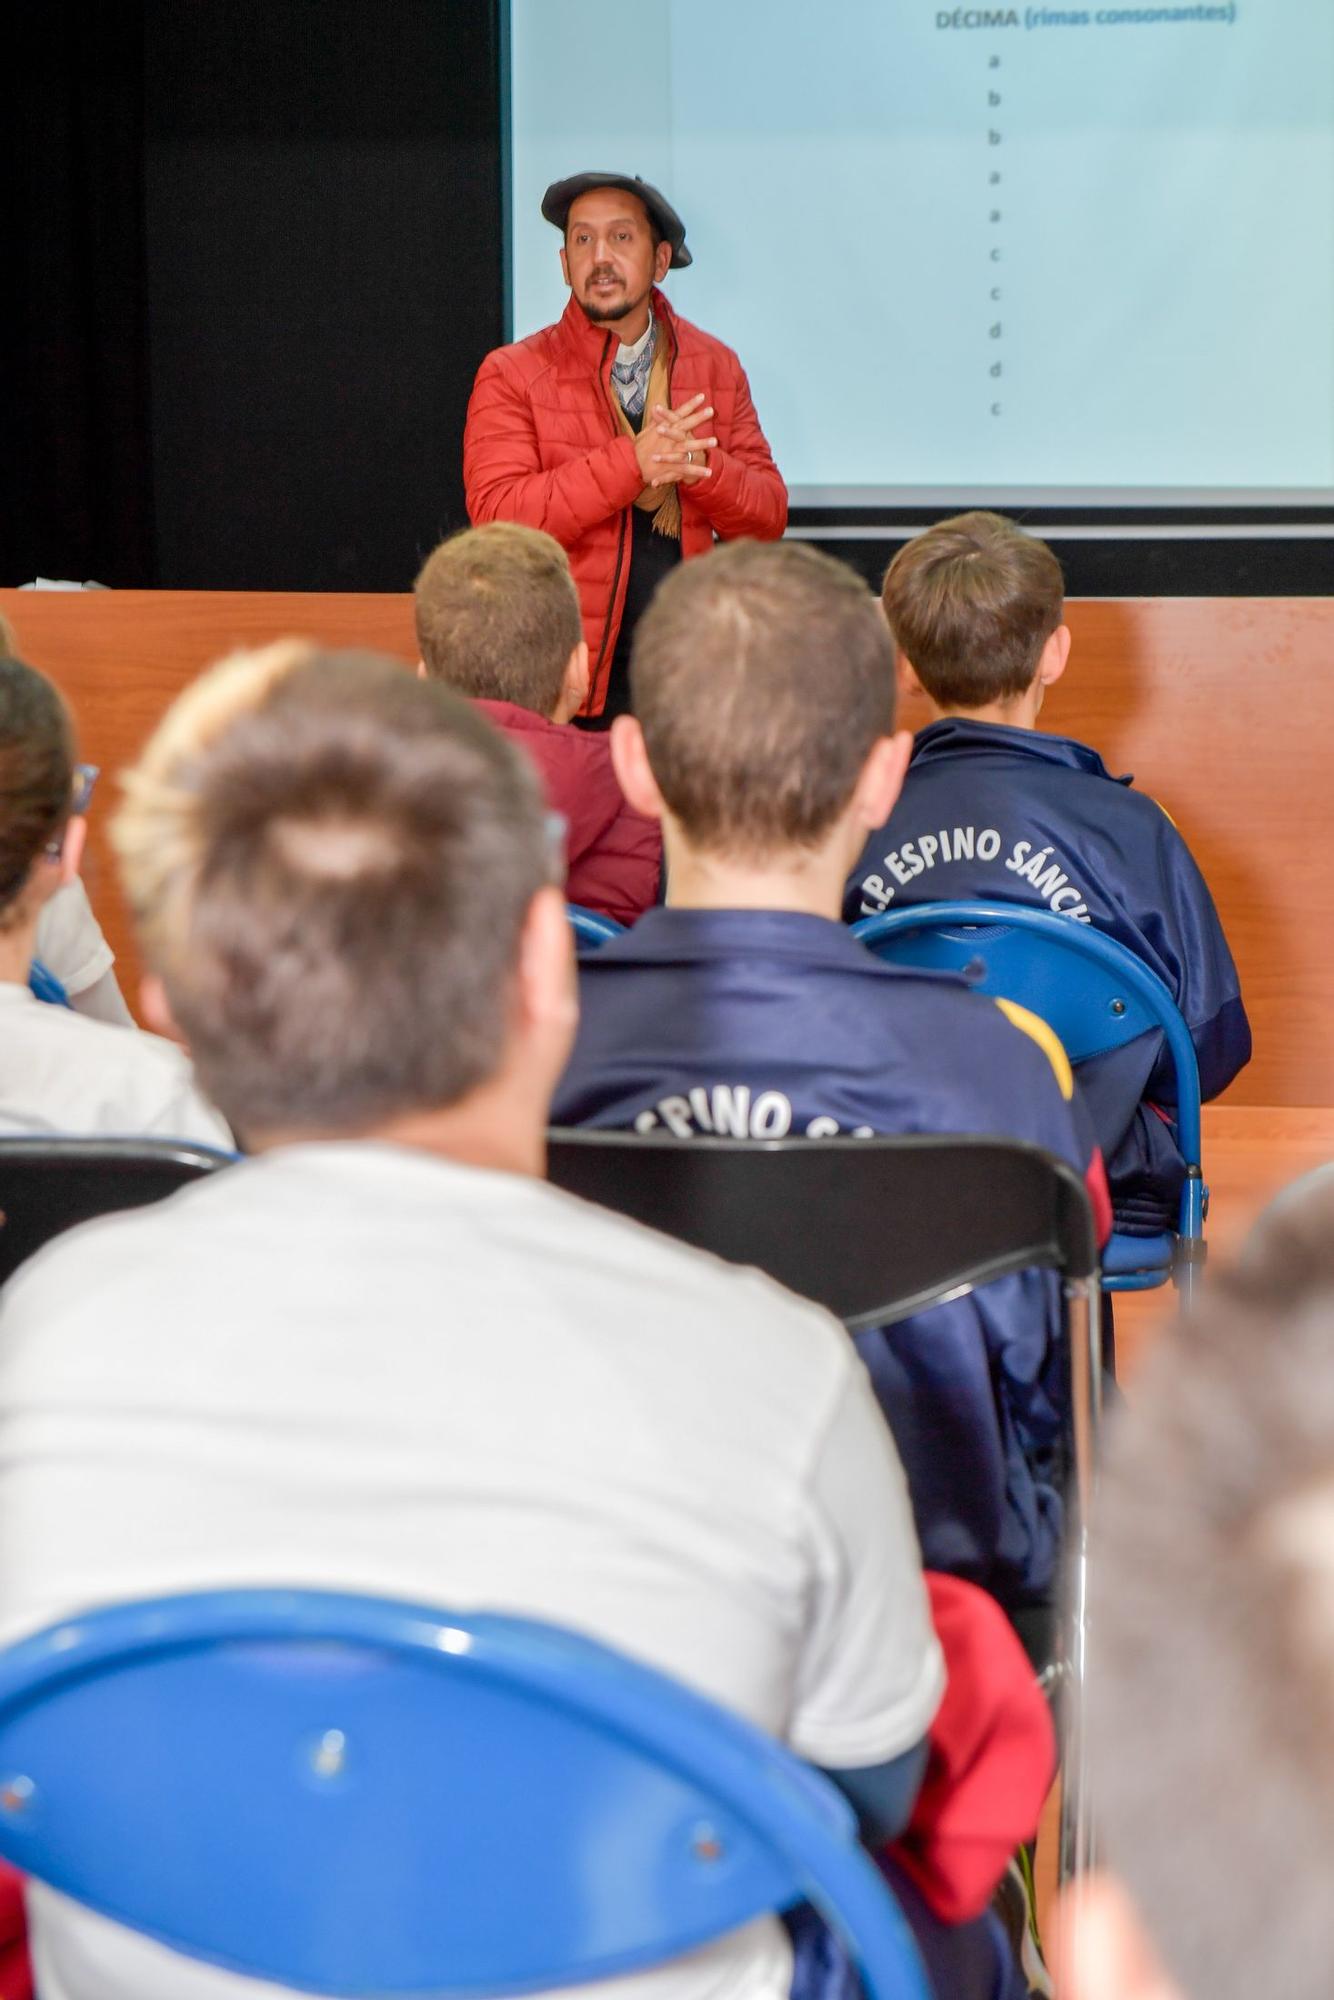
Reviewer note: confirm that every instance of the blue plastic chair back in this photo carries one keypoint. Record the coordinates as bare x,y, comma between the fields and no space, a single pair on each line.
1095,993
356,1796
44,984
590,928
1097,996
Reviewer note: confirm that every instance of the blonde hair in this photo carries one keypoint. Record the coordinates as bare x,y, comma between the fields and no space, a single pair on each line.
330,862
158,835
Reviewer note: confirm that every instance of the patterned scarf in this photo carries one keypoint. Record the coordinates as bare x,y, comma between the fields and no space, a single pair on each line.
631,377
663,502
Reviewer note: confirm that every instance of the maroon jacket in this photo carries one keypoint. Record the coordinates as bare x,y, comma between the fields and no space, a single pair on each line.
542,446
614,854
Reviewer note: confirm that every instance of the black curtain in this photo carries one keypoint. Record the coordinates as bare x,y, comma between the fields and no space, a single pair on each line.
76,496
253,260
323,223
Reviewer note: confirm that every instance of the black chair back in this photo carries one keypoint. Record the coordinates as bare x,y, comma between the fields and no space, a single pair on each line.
874,1229
877,1229
49,1185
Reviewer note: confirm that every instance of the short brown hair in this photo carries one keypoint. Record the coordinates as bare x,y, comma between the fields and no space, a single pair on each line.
36,776
762,675
1211,1700
498,615
971,604
330,861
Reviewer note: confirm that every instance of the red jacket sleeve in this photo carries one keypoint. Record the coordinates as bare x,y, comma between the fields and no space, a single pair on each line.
746,496
503,478
992,1757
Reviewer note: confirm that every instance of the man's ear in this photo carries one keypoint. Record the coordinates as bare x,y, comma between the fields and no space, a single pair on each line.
881,780
574,685
1101,1951
156,1009
629,760
906,675
548,986
662,261
564,265
1052,659
72,842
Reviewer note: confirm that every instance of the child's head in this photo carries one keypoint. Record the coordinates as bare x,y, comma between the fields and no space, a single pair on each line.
498,619
343,884
762,680
1211,1710
975,606
37,849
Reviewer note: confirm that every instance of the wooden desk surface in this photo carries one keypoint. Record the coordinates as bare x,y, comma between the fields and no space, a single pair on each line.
1222,708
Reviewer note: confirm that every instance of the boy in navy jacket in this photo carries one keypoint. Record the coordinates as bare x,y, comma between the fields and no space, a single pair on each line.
763,689
992,809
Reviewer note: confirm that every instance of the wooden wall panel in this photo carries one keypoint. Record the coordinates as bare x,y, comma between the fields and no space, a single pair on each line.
120,657
1222,708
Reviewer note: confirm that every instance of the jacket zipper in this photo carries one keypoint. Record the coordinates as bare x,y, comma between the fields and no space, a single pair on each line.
620,542
625,512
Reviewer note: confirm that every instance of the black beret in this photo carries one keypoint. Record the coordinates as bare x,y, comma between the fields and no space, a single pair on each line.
558,197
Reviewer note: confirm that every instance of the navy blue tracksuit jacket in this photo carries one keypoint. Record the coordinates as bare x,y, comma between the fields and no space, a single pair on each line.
761,1024
993,813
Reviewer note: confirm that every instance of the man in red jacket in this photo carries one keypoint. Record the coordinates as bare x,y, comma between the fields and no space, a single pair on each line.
623,430
498,619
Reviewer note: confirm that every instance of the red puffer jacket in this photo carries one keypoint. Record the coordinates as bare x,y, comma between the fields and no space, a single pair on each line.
542,446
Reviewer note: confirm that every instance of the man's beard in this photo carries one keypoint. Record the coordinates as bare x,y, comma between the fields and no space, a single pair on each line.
599,314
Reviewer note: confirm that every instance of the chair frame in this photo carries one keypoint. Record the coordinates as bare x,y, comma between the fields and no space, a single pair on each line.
590,927
126,1173
1082,942
737,1199
802,1832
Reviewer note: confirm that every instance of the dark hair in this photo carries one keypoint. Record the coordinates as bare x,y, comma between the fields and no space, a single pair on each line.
762,675
1211,1701
498,614
332,860
36,776
971,604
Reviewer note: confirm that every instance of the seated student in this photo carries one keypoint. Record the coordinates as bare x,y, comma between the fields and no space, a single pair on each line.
993,808
60,1072
69,940
413,1368
498,619
1211,1721
763,687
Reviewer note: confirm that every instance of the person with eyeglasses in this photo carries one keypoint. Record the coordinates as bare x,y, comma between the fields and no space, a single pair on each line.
61,1071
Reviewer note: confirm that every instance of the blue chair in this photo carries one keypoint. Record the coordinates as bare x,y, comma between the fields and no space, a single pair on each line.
355,1796
1097,996
590,928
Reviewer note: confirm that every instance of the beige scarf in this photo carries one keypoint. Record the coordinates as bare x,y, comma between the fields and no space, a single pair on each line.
663,502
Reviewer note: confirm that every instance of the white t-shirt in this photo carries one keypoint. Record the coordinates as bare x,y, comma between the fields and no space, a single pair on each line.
71,945
69,939
360,1367
63,1073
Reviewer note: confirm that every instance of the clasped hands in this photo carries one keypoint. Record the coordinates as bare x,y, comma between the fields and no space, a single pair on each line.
669,451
